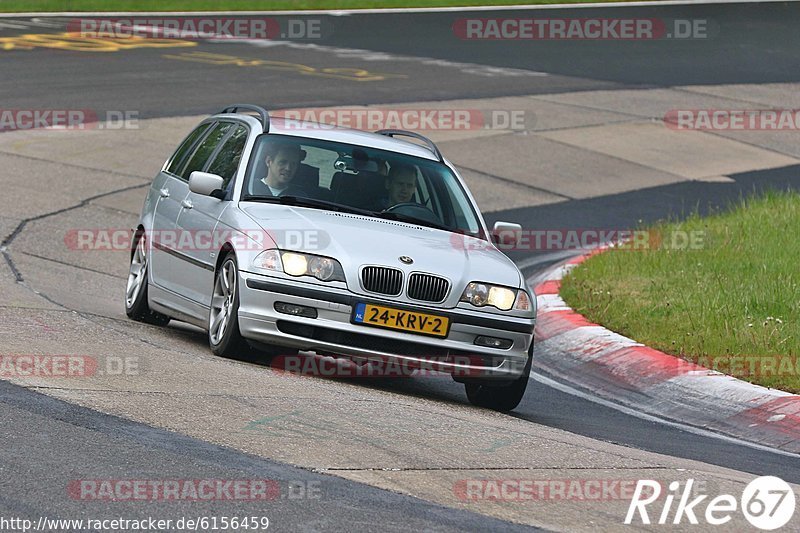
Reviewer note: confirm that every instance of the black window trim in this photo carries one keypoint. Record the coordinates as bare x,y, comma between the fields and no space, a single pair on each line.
209,126
197,147
222,142
202,139
232,183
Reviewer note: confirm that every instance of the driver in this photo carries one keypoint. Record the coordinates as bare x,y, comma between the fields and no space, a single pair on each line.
401,183
283,160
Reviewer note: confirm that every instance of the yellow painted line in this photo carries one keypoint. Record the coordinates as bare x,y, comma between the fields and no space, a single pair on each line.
342,73
75,42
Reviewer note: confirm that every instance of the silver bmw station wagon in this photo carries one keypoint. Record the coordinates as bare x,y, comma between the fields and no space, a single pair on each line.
283,237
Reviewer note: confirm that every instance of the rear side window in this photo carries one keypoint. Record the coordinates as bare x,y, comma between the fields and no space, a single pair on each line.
179,157
230,153
201,154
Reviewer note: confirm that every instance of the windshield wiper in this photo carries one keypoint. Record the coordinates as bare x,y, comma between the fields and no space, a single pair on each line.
303,201
412,220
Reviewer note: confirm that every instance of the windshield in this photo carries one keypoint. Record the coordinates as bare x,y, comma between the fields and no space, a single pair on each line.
331,175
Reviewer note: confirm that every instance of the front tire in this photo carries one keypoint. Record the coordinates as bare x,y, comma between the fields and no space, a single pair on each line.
224,336
136,306
503,398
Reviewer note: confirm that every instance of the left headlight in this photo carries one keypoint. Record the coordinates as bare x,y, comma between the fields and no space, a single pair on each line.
299,264
483,294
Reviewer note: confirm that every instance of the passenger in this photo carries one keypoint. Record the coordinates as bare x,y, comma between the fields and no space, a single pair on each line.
283,160
401,183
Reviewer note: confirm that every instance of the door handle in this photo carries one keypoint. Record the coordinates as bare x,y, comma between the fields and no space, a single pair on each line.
187,204
164,193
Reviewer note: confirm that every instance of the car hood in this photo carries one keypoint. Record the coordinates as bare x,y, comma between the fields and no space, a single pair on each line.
357,240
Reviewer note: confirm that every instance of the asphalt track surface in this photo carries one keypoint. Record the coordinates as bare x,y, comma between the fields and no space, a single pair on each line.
45,439
47,431
757,45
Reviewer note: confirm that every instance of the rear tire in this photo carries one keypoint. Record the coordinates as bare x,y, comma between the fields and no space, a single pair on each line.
136,306
503,398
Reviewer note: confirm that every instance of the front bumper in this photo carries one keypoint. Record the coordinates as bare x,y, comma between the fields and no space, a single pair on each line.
332,332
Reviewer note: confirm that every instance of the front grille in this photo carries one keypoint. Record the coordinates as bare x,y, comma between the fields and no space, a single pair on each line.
382,280
427,288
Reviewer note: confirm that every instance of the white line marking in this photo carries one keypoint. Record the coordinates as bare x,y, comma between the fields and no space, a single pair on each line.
36,21
345,12
372,55
651,418
14,25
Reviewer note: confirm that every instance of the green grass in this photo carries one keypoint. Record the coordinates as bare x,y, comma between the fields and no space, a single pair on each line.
245,5
734,301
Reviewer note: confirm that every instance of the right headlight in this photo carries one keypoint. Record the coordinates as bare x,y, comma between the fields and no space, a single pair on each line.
483,294
299,264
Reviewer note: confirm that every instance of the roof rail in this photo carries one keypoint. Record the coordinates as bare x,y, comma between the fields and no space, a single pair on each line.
263,113
429,143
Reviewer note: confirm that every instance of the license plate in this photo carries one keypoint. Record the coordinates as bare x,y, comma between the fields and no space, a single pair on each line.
388,317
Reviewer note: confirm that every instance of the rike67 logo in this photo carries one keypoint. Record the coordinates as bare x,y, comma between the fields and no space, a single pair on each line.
767,502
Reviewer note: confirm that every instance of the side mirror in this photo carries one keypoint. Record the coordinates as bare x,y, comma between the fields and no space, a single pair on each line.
206,184
506,234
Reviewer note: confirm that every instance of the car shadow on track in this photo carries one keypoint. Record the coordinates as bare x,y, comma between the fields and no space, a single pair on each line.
421,384
434,386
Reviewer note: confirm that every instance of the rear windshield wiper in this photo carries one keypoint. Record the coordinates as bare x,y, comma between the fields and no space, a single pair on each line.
302,201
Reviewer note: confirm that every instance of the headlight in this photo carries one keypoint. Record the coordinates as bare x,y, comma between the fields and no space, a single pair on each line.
297,264
501,298
323,268
476,293
294,264
481,294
